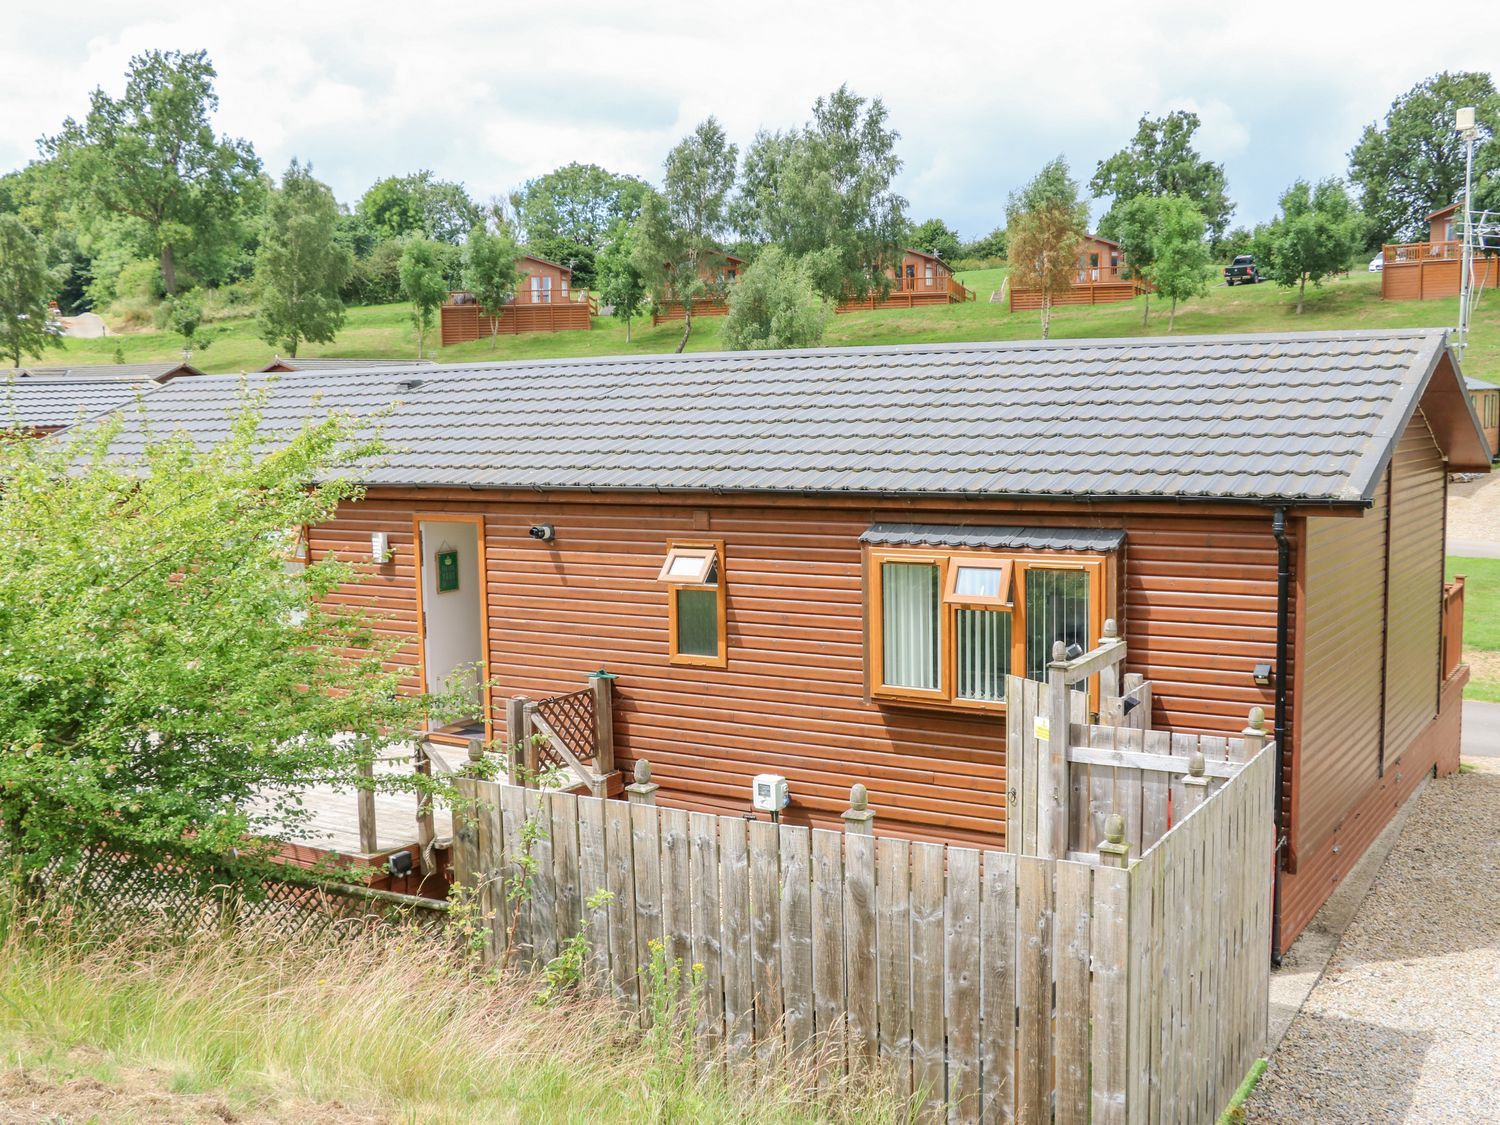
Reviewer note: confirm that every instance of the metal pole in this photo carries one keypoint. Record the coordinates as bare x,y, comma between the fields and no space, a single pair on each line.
1467,259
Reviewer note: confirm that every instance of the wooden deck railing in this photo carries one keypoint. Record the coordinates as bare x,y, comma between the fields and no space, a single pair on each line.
1093,275
1453,625
1410,253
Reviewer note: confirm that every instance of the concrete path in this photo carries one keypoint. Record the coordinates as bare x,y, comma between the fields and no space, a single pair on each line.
1404,1025
1473,549
1481,730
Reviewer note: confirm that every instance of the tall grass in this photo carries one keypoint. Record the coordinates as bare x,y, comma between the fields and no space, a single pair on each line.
382,1023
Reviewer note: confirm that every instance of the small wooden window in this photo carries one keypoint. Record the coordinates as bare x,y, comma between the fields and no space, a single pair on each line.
947,627
696,618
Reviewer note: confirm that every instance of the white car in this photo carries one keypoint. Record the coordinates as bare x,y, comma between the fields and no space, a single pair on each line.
1377,263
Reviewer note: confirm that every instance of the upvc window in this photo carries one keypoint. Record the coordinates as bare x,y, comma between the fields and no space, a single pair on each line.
947,627
696,618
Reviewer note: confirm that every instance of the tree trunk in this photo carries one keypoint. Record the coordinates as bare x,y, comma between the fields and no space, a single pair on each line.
1301,292
627,330
495,331
291,351
1172,316
168,270
1146,310
1046,313
687,325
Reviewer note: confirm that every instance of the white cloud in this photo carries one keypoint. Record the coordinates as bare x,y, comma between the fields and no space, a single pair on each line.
982,92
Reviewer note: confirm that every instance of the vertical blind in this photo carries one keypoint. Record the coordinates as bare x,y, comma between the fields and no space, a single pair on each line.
1057,609
983,652
909,609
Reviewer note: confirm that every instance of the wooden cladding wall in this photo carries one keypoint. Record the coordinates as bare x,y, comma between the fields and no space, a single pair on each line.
1083,293
1414,599
1197,605
1343,591
1434,279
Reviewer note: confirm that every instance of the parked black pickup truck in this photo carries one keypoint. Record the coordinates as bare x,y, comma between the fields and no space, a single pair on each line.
1242,269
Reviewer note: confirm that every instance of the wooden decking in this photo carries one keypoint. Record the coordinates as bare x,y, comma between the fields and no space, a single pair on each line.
333,822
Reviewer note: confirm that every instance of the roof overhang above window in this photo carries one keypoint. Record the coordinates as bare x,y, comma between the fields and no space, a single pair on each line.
994,538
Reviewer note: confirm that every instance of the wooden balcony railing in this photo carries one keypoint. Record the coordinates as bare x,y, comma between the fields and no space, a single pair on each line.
525,296
1410,253
945,283
1453,625
1094,275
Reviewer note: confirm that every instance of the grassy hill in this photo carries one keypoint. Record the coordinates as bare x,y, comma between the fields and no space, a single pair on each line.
385,331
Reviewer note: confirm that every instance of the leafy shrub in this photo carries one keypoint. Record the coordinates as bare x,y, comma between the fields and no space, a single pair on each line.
775,305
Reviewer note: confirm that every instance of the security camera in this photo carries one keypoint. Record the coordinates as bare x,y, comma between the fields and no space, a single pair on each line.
542,531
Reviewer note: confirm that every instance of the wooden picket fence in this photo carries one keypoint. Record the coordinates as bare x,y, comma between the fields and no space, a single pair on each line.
993,986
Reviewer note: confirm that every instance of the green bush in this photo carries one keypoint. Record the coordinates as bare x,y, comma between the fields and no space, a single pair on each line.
775,305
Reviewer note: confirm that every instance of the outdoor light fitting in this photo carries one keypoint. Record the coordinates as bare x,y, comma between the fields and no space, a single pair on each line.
1263,674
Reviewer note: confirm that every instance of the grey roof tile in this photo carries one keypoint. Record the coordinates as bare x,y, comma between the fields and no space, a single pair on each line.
1256,418
43,403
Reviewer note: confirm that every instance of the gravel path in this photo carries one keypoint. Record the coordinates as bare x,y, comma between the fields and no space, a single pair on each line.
1405,1024
1474,510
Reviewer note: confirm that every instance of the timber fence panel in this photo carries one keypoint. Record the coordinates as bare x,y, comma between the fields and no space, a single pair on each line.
797,935
703,830
514,912
765,936
739,968
928,1042
830,994
994,985
961,986
490,859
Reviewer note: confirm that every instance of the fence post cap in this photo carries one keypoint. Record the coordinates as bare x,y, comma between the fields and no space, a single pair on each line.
601,674
859,796
859,816
1111,630
476,749
1114,828
1196,765
642,771
1114,852
1059,652
1257,718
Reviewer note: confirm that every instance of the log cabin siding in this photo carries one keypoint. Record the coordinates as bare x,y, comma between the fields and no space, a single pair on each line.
1414,601
1195,596
1342,588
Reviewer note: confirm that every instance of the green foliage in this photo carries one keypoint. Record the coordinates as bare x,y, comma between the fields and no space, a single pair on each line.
568,215
1240,240
1045,221
677,231
824,193
1161,160
376,278
490,271
419,204
1414,164
182,315
26,287
152,155
1179,256
620,282
990,246
300,265
935,237
423,284
161,664
1317,234
563,974
776,305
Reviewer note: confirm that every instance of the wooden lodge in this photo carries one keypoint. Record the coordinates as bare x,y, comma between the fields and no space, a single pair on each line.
718,273
1100,278
831,565
920,279
34,405
544,301
1433,270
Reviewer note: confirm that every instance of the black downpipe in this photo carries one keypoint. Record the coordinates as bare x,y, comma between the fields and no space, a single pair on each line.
1283,598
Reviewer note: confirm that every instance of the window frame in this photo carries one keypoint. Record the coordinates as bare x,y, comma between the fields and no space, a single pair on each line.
714,548
1100,567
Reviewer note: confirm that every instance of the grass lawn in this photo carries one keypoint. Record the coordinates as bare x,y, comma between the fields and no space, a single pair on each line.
1481,624
385,331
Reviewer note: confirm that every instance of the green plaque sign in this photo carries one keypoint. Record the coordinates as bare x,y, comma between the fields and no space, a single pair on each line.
447,563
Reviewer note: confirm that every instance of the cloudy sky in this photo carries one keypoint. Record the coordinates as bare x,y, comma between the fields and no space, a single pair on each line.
982,94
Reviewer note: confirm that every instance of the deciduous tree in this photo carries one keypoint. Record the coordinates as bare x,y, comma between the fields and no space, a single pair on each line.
567,215
1161,160
423,283
1317,234
934,237
420,204
168,684
678,230
490,271
1135,230
1046,221
301,264
1414,164
824,193
620,282
26,285
153,155
775,305
1179,256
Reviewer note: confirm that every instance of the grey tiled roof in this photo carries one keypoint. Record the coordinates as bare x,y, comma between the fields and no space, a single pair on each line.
130,372
993,538
1480,384
1308,417
342,363
31,404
